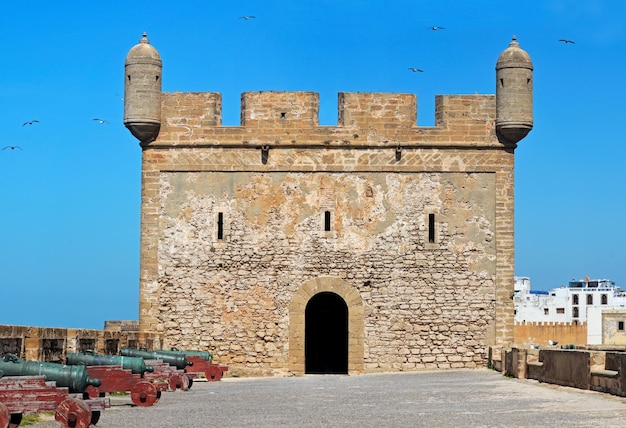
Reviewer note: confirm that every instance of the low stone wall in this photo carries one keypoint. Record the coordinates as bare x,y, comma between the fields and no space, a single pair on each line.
52,344
540,333
602,370
566,367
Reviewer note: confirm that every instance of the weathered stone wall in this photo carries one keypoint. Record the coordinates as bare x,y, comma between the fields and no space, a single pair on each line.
413,304
52,344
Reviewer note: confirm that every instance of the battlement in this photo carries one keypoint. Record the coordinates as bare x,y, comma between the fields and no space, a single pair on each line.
270,109
364,118
279,109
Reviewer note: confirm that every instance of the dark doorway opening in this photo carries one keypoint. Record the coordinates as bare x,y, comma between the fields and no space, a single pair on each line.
326,335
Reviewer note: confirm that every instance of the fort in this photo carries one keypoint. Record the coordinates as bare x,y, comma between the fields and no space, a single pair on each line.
284,247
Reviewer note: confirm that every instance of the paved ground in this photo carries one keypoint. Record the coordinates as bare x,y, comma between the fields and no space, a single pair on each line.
458,398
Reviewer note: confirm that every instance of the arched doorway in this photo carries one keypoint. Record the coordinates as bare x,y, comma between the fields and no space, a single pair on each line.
326,334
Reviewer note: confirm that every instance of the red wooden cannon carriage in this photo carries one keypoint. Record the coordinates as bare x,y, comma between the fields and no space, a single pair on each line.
143,392
200,366
21,395
165,373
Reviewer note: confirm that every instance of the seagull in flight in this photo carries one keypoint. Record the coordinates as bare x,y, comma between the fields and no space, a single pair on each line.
30,122
101,120
246,17
566,41
120,97
435,28
12,147
416,70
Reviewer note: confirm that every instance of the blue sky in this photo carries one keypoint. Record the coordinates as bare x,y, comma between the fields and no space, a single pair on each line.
69,237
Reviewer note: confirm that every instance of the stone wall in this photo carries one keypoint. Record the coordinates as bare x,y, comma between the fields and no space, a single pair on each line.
234,240
52,344
540,333
601,369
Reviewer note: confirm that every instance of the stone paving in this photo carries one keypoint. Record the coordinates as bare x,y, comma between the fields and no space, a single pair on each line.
454,398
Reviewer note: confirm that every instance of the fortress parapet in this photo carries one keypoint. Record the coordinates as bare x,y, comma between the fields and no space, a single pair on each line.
274,117
291,118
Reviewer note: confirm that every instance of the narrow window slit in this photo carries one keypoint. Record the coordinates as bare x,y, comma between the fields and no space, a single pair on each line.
431,228
326,221
220,226
265,151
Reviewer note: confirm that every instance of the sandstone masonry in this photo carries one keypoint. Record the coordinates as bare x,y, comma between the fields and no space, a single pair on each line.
285,247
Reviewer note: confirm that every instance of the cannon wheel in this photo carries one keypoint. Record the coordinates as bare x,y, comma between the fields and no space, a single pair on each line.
91,392
14,420
4,416
176,381
179,381
144,394
95,416
73,413
213,373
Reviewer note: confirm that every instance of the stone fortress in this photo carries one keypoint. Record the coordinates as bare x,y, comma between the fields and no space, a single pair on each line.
286,247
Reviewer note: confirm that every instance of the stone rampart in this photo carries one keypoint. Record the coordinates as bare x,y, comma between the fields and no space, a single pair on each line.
593,368
51,344
541,333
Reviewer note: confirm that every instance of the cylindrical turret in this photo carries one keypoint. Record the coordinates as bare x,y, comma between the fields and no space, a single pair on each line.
514,94
142,91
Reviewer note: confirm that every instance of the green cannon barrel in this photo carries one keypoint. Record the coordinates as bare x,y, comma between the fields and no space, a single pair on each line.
73,377
188,353
136,364
180,361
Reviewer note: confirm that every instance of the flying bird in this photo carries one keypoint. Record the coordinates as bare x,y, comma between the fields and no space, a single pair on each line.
246,17
101,120
12,147
30,122
120,97
435,28
566,41
416,70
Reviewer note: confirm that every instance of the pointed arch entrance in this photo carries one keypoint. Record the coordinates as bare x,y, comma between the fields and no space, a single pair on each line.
326,335
329,291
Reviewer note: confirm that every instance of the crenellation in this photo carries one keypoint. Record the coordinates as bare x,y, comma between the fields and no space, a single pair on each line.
186,112
376,110
291,118
277,110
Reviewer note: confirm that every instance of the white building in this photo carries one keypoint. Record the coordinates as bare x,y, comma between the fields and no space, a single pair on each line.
571,303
